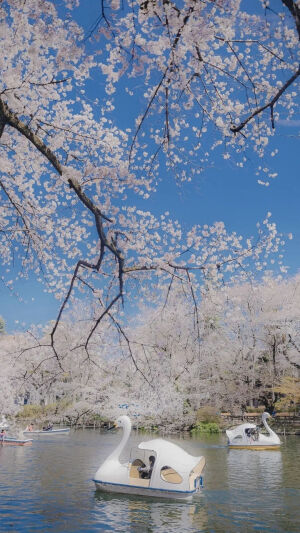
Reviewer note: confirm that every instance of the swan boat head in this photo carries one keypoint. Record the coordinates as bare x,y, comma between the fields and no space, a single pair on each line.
123,422
173,472
248,436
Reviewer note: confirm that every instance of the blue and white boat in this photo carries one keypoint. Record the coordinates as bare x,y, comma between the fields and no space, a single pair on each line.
46,432
13,441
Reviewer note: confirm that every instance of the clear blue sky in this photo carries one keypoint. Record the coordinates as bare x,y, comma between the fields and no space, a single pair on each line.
223,192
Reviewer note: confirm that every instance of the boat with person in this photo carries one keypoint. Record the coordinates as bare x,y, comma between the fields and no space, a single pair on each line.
48,432
247,435
155,468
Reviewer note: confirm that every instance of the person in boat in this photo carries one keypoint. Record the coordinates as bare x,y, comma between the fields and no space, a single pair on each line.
2,434
29,427
146,471
49,427
252,432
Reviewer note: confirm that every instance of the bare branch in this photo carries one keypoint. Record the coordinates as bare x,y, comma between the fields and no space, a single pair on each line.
121,330
236,129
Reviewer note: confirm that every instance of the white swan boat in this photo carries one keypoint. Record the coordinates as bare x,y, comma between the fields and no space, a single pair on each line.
247,436
47,432
173,473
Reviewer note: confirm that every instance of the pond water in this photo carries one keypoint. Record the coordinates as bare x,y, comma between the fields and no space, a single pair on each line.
48,487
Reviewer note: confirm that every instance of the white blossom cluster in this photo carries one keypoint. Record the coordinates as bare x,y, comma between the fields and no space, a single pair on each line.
206,68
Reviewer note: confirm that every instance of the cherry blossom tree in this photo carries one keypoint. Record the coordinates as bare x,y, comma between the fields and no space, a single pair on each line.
239,344
9,389
247,342
33,374
68,173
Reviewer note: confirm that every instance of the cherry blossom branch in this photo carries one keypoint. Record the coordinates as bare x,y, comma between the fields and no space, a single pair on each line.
142,120
173,46
252,41
37,367
294,9
7,117
105,312
16,207
195,311
128,342
236,129
295,12
97,22
36,84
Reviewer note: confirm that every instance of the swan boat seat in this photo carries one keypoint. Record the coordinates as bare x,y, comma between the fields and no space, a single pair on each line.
135,476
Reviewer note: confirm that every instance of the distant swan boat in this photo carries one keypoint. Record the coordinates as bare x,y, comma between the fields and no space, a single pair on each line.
173,473
247,436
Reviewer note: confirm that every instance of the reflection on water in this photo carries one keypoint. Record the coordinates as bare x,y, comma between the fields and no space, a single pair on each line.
48,487
255,477
251,468
151,515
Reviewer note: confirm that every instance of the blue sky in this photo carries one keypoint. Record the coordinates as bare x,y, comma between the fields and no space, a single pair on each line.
222,192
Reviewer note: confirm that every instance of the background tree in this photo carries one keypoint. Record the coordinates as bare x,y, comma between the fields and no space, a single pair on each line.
168,362
289,390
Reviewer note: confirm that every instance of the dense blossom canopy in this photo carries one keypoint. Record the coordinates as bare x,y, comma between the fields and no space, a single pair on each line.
206,77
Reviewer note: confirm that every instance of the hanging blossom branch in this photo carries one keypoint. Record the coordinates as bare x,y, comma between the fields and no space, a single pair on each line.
295,12
271,104
9,118
129,342
168,69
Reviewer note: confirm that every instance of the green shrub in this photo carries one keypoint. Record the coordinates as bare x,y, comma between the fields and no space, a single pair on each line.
207,414
259,409
30,411
40,411
95,417
205,427
283,405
